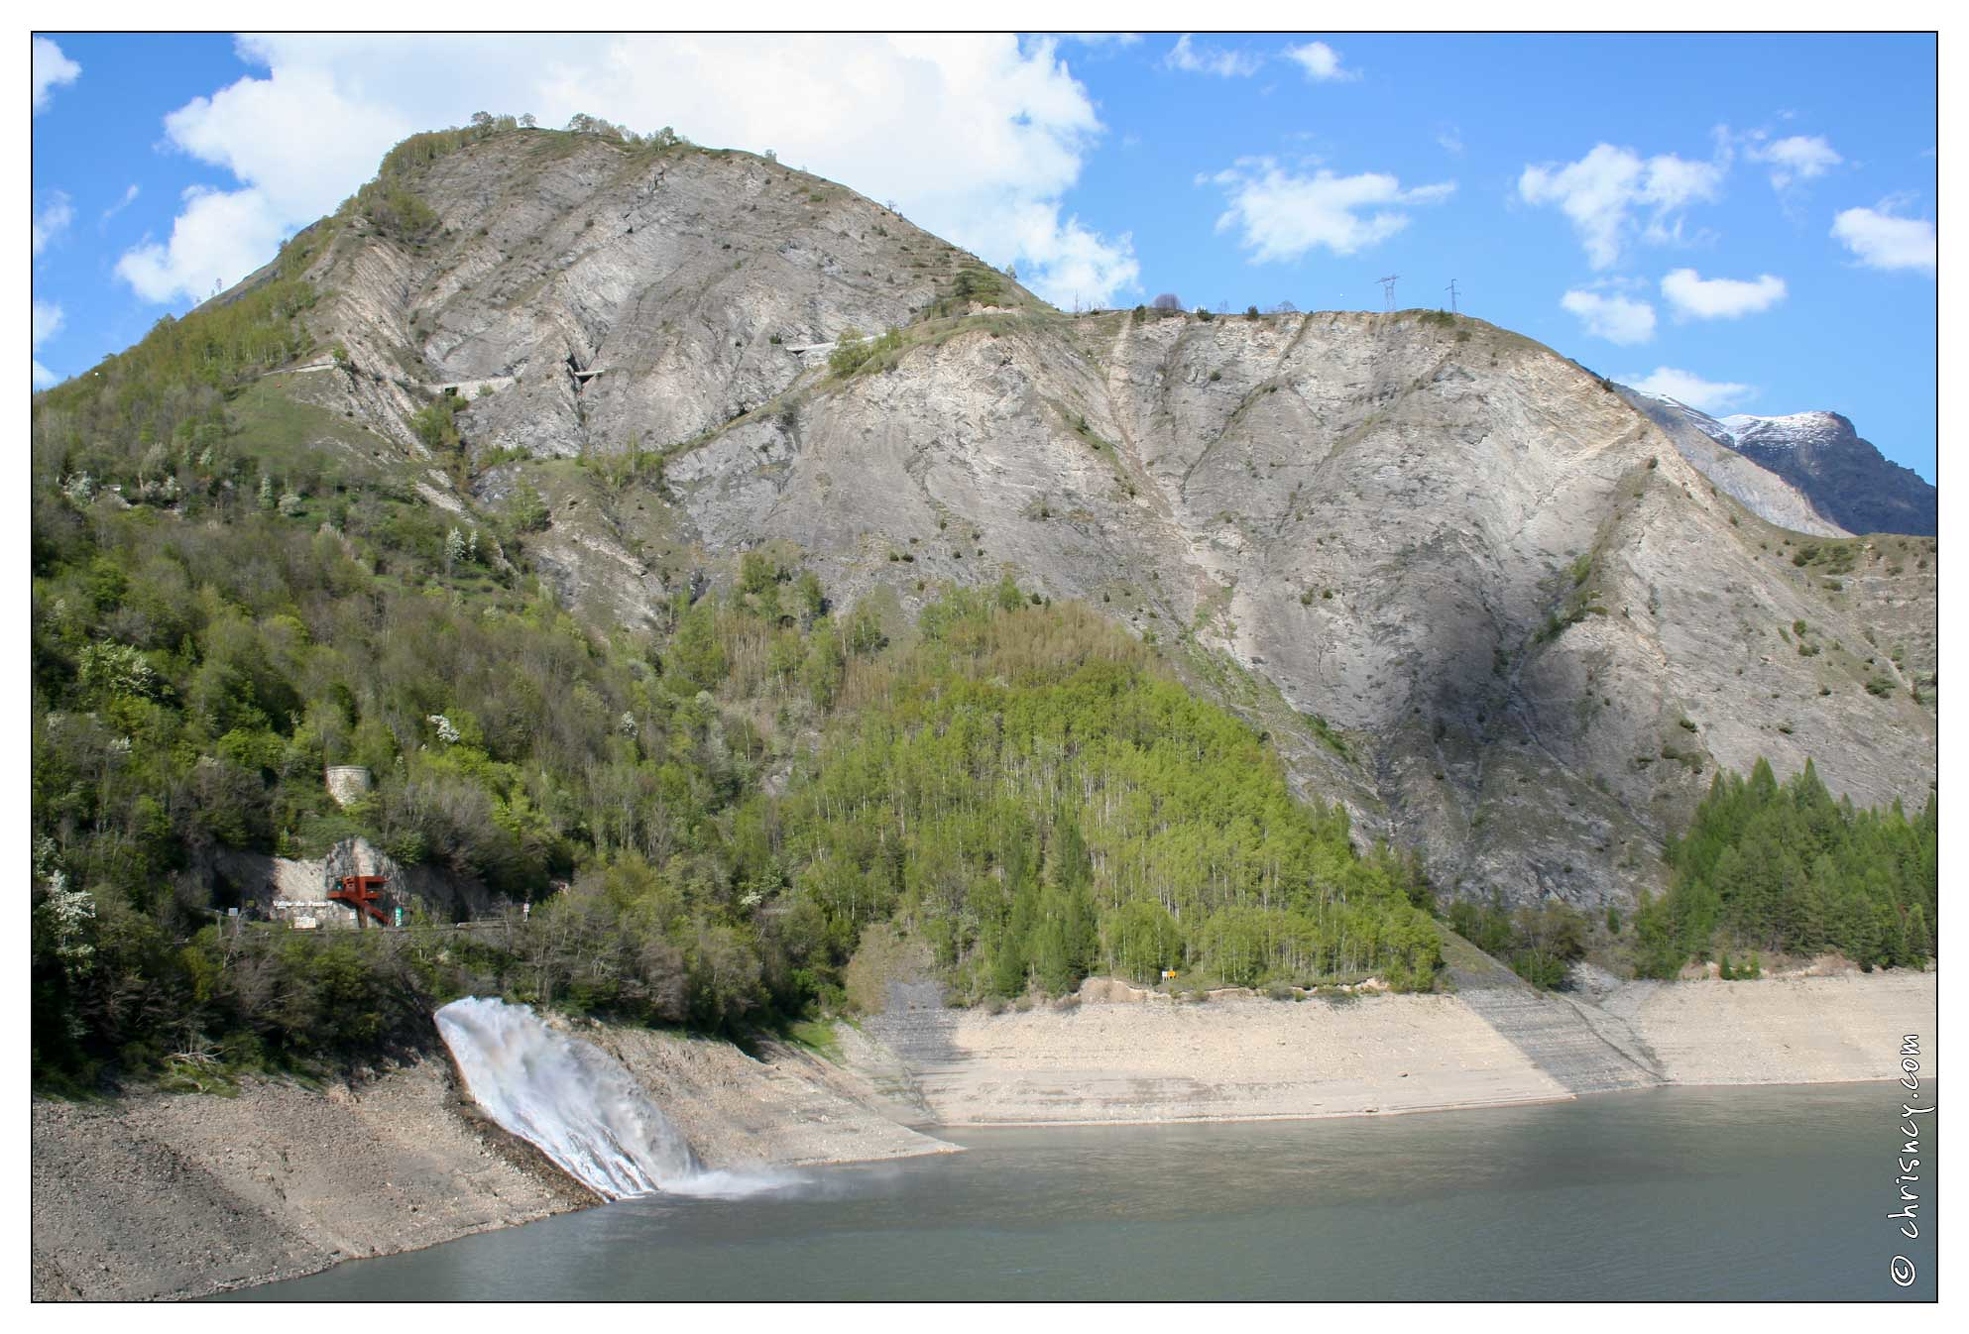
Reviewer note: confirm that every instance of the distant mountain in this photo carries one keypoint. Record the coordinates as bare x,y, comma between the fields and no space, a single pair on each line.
1704,442
1843,481
1846,476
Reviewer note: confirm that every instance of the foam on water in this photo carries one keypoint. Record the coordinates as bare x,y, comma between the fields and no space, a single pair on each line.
578,1105
737,1185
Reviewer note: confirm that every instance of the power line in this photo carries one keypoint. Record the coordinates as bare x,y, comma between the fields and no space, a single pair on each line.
1388,290
1451,289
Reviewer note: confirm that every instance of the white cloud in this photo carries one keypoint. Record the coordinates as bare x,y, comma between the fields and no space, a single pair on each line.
129,198
52,69
1699,298
53,220
1798,157
219,239
1615,318
1225,64
1282,216
1881,240
1685,387
47,323
1450,137
1320,61
1077,266
881,114
1602,191
251,127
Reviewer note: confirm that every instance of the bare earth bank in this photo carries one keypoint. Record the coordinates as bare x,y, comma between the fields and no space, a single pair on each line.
1805,1030
1123,1055
180,1195
1232,1059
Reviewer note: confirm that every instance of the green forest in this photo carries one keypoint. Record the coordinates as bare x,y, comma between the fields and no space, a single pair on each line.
1016,784
1764,869
1768,868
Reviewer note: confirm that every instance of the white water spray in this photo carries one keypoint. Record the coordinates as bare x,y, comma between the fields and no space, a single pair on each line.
570,1099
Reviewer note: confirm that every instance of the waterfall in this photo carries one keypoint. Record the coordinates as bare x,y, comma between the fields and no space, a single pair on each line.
570,1099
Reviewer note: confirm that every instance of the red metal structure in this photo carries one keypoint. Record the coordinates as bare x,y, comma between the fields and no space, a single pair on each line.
361,893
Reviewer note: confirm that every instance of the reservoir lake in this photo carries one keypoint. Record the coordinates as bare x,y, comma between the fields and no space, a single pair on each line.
1664,1194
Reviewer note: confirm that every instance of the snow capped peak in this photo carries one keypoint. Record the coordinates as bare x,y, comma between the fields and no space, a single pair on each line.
1787,432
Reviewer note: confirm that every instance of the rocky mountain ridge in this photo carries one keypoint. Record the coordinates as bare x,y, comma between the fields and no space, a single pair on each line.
1468,590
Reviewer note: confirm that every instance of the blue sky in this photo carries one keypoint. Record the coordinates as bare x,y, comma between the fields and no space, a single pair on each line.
1745,222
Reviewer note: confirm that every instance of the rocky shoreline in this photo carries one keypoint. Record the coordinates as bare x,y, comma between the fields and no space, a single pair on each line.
162,1196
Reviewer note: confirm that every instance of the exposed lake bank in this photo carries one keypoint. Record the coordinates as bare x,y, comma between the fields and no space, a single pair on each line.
1136,1056
170,1195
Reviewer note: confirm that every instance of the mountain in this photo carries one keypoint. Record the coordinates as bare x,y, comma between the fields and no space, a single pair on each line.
1712,449
1844,482
1846,476
1466,589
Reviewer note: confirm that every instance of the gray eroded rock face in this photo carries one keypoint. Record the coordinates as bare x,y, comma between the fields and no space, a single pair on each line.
612,300
1531,622
1471,593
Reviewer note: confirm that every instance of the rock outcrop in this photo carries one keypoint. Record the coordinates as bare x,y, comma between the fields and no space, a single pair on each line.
296,890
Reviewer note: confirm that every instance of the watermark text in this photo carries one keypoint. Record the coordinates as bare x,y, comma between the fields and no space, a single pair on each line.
1908,1161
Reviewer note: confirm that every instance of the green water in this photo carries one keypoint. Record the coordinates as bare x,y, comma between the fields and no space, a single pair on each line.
1664,1194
